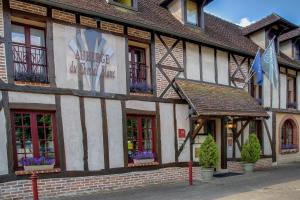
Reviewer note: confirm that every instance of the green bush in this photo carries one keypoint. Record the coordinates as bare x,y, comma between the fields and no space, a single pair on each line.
208,154
251,150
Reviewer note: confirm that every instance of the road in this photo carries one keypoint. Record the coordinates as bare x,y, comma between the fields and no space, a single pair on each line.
279,183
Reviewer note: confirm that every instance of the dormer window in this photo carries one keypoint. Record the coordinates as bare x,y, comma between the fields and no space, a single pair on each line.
128,3
297,50
131,4
274,33
192,12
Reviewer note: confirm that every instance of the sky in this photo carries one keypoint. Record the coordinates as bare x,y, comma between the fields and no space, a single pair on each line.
245,12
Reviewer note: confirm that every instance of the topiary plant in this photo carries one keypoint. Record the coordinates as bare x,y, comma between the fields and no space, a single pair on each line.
251,150
208,154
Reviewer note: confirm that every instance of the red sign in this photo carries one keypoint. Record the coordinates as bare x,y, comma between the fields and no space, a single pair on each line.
181,133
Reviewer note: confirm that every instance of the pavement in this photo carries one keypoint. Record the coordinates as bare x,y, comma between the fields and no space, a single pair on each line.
277,183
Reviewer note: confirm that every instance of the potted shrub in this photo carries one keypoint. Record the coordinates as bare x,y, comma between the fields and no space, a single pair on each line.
37,164
143,157
208,158
250,153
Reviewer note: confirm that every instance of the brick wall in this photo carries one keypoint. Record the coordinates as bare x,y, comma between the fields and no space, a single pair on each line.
27,7
81,185
139,33
160,51
63,16
238,166
3,72
87,21
111,27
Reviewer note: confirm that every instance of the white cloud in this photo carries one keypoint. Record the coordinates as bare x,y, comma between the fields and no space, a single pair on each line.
245,22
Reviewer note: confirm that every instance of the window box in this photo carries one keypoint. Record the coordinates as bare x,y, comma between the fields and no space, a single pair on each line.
143,161
32,168
292,105
289,146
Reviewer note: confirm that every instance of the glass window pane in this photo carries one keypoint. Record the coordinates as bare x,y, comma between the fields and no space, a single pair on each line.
192,12
18,119
125,2
18,34
37,37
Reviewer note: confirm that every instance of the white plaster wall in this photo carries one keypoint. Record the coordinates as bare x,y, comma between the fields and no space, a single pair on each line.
259,38
117,63
267,145
115,133
287,48
93,121
3,145
167,133
208,67
222,63
275,97
175,9
267,92
182,120
141,105
62,35
64,57
18,97
72,133
283,92
192,61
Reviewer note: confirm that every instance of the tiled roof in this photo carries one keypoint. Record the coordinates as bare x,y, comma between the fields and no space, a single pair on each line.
216,100
150,15
268,20
290,35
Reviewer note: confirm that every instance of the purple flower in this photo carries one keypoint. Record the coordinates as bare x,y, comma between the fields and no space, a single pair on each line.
144,155
36,161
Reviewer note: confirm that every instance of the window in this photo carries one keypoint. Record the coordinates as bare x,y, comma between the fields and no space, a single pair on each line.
297,50
256,90
288,136
273,33
192,12
291,96
29,54
34,135
131,4
128,3
140,73
141,135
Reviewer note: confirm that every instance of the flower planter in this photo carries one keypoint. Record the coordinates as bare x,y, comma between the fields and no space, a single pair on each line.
248,167
38,167
143,161
206,174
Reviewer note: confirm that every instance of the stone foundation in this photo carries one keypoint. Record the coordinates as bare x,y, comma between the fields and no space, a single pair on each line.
57,187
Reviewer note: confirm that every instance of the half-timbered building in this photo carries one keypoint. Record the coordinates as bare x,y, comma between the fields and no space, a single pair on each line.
91,84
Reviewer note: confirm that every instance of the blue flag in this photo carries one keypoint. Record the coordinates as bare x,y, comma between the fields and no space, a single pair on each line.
256,66
269,64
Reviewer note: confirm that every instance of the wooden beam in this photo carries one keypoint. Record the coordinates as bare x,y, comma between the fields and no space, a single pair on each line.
191,134
242,129
223,144
274,158
198,128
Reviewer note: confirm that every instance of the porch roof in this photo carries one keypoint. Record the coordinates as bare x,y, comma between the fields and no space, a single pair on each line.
219,100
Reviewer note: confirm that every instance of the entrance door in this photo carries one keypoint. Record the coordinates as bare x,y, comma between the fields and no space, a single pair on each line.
209,128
